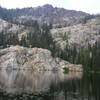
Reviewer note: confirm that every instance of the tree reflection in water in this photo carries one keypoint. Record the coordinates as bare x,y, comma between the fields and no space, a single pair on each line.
30,85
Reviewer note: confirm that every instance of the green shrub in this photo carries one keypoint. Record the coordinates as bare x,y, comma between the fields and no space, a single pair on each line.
66,70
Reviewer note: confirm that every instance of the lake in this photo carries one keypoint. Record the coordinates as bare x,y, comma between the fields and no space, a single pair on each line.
30,85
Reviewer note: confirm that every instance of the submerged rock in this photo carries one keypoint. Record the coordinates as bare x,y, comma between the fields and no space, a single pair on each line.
17,57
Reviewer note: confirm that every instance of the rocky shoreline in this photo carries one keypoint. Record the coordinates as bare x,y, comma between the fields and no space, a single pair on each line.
17,57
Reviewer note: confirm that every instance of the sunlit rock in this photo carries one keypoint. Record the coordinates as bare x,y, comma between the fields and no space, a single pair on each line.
17,57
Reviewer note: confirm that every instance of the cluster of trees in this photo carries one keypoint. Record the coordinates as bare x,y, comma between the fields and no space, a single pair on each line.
88,57
8,39
39,37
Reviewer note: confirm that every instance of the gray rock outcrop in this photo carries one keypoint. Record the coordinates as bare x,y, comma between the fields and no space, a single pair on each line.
17,57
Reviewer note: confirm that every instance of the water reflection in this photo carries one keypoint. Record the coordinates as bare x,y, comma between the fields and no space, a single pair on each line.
29,85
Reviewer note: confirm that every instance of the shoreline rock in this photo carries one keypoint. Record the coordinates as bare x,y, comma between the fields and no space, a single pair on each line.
66,64
17,57
38,59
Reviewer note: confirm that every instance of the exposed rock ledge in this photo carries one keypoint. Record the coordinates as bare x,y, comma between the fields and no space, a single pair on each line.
25,58
71,67
17,57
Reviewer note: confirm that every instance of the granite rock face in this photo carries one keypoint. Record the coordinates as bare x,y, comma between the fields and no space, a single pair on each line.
17,57
3,25
80,34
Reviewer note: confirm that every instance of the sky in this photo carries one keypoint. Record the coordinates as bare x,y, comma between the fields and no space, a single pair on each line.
89,6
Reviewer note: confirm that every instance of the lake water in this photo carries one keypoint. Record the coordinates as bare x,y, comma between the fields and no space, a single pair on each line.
30,85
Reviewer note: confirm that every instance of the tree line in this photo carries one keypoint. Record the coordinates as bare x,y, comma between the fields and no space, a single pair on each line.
89,57
40,37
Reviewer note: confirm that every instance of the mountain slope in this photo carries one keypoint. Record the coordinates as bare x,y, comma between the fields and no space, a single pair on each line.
74,26
44,14
76,35
80,35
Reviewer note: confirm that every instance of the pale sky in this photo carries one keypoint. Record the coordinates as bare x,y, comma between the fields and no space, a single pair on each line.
89,6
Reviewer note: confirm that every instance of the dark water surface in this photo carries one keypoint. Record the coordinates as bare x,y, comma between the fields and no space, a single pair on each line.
29,85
